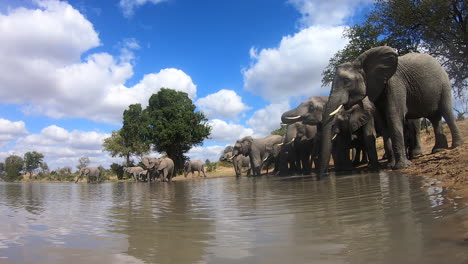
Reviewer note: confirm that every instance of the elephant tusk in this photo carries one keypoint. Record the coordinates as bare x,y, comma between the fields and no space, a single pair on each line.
283,124
293,117
280,144
291,140
265,159
333,138
336,111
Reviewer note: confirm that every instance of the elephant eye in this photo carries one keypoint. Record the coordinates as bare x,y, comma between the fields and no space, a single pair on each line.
346,80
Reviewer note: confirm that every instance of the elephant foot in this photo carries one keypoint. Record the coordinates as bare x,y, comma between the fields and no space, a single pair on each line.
435,150
457,142
417,152
401,165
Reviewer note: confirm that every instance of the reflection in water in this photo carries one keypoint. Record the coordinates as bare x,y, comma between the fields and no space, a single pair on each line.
372,218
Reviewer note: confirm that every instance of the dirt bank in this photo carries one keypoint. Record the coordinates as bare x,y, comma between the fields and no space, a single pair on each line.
448,168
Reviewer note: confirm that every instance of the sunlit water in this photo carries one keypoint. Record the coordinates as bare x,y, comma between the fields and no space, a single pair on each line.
372,218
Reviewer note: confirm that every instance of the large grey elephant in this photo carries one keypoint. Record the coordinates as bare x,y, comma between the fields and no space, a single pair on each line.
192,166
299,148
258,150
411,86
150,164
354,128
165,169
135,172
93,174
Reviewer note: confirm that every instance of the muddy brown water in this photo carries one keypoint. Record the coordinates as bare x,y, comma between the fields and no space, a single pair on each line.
367,218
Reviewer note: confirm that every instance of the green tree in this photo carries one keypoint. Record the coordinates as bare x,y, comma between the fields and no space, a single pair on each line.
173,124
280,131
13,167
82,162
118,170
437,26
131,139
116,146
32,161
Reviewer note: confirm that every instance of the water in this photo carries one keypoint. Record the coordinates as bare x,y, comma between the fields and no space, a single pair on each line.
373,218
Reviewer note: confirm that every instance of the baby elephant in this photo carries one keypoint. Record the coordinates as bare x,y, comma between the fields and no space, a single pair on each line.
196,165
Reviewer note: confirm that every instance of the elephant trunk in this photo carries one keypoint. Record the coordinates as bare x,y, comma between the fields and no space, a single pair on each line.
328,119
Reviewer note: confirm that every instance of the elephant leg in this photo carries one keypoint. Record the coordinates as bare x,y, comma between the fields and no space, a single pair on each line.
395,120
447,113
440,139
356,155
417,150
167,175
370,151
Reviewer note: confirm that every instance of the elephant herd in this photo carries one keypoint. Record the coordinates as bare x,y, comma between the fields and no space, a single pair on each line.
155,168
162,169
377,94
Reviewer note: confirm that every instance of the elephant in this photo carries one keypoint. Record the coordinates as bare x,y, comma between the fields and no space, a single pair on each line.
135,172
90,173
240,161
308,112
299,148
165,169
150,163
354,128
192,166
258,150
143,175
411,86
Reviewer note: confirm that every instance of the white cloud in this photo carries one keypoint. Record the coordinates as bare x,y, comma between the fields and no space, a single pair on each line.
222,104
61,147
267,119
129,6
41,67
223,131
330,12
203,153
10,130
295,67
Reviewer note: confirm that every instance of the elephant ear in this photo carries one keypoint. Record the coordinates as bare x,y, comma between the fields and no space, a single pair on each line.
246,145
358,118
146,162
379,64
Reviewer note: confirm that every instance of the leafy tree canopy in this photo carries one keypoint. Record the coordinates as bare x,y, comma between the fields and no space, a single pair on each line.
13,167
131,139
32,161
439,27
280,131
173,125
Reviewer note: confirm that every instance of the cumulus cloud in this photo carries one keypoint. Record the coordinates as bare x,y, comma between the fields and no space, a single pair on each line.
222,104
228,132
294,68
330,12
267,119
41,67
62,147
128,6
9,130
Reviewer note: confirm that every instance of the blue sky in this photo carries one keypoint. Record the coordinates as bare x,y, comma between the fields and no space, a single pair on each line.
69,69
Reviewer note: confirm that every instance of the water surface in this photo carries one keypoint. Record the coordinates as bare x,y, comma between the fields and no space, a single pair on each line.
369,218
